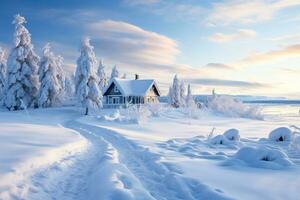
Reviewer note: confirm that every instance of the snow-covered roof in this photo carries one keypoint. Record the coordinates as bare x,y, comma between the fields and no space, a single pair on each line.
138,87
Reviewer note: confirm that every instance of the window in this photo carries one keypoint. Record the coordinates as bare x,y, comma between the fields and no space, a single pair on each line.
116,89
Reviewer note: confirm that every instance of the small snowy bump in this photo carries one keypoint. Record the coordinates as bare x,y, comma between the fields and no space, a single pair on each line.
261,157
219,139
232,134
281,134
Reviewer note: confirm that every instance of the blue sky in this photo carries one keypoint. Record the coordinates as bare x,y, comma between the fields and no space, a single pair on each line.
235,46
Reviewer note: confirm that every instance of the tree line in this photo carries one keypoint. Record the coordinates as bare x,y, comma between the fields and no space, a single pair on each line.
27,80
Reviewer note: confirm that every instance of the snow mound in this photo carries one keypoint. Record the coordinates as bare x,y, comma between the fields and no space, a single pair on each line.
281,134
261,157
219,139
232,134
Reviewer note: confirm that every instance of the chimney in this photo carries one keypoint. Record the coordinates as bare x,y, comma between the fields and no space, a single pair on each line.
137,76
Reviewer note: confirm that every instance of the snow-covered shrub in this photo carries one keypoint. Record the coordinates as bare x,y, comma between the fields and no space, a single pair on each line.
51,78
261,157
219,139
22,66
135,114
232,107
86,80
232,134
281,134
155,109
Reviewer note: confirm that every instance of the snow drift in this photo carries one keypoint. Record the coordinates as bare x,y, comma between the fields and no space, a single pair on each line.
260,157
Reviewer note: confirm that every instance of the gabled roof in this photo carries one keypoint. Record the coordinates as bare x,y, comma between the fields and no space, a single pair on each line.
138,87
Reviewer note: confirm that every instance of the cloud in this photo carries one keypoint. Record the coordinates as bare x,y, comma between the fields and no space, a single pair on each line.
218,66
257,58
131,44
238,11
226,83
239,34
285,38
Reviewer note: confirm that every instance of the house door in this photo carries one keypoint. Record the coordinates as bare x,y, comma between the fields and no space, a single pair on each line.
116,100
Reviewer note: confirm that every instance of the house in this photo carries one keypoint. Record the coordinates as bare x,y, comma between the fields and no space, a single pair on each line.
123,92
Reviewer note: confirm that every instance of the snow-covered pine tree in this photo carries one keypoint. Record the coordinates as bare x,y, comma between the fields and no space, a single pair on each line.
170,96
176,92
50,74
61,73
102,76
69,89
2,72
87,89
182,94
114,73
22,66
189,101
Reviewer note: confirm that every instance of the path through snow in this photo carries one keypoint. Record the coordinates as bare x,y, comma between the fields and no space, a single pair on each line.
114,167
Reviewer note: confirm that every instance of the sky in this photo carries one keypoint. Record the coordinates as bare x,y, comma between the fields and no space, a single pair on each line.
232,46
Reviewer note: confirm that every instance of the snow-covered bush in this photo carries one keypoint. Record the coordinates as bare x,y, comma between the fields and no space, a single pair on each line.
2,71
22,66
232,134
231,107
135,114
87,89
155,109
261,157
281,134
51,78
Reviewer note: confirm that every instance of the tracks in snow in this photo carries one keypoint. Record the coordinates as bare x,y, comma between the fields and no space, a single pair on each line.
114,167
145,171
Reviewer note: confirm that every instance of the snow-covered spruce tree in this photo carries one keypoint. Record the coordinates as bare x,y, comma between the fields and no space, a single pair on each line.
102,76
22,66
176,92
189,101
182,94
69,89
170,96
2,72
114,73
87,90
50,74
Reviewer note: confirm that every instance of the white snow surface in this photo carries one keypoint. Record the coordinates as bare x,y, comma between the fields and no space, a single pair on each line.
59,154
